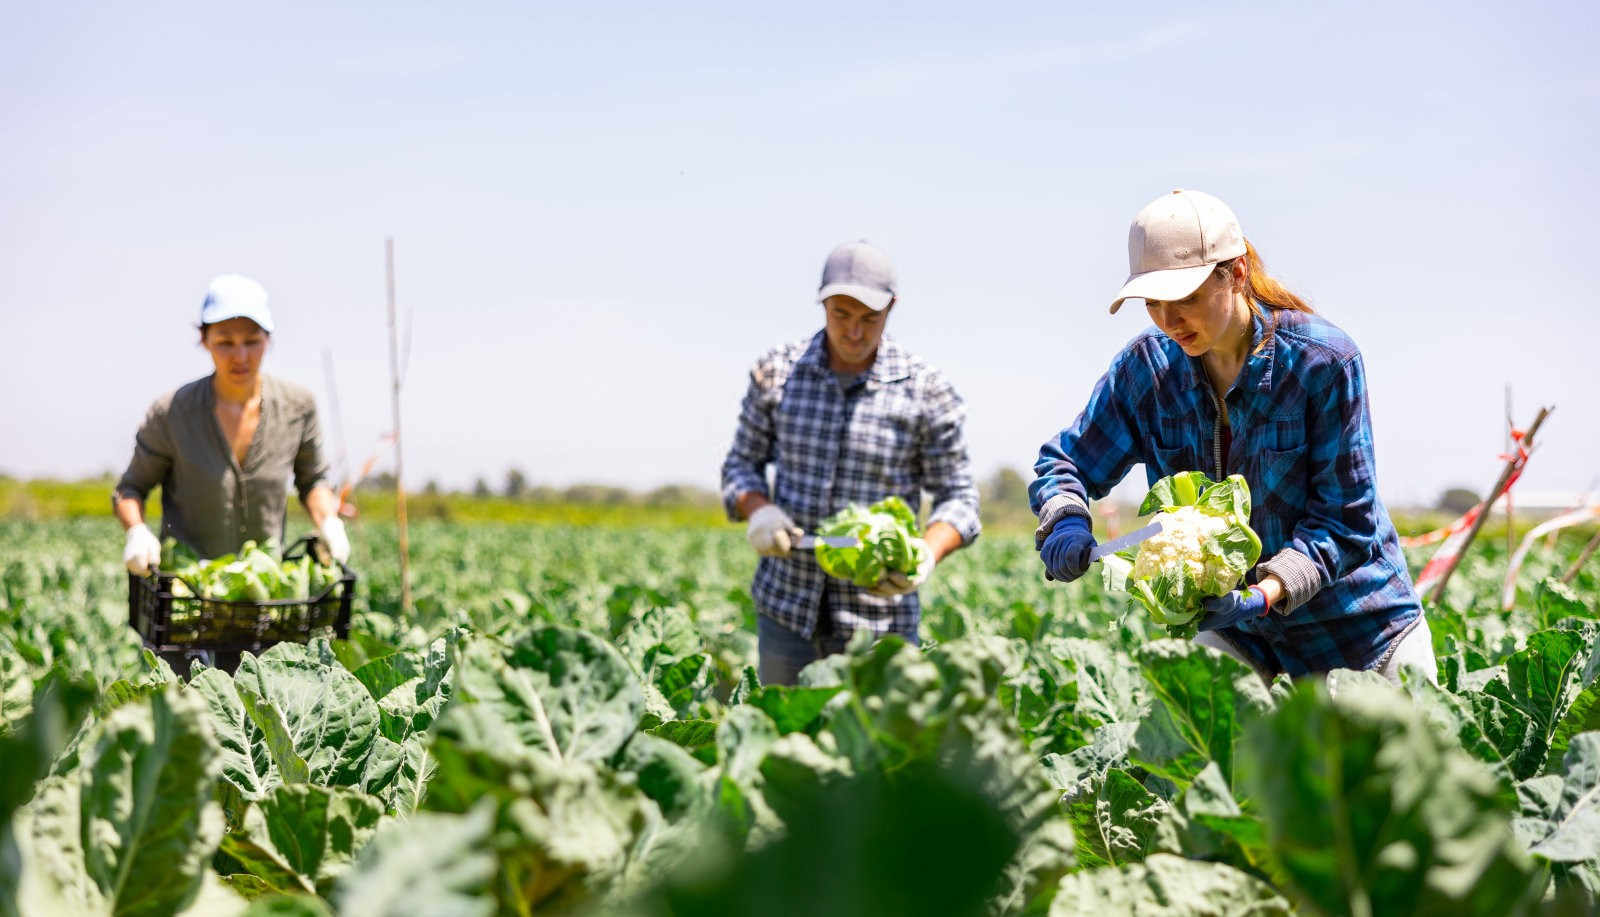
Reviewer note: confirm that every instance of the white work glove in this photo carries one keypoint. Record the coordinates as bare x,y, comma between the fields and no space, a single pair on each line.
893,582
142,551
332,533
772,532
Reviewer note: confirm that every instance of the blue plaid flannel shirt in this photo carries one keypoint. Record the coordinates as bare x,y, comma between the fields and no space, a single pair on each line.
900,429
1302,438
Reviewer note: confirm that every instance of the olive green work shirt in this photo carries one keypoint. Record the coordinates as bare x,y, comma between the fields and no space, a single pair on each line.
210,501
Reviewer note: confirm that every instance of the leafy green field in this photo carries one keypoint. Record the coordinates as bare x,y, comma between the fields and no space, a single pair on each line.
568,723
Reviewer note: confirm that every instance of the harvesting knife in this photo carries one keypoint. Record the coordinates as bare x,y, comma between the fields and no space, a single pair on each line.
832,541
1128,540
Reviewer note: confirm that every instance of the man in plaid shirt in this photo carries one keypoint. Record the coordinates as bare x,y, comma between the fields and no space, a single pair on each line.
846,416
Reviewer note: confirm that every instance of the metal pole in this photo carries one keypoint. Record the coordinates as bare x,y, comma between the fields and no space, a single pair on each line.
1488,504
399,463
1511,448
1583,558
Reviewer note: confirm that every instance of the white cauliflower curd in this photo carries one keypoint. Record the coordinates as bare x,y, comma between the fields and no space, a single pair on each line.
1183,530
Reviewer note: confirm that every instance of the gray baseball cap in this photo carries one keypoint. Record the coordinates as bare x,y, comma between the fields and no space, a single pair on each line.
861,272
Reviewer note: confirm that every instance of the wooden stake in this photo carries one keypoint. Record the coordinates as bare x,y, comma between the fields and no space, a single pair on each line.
336,419
399,463
1488,503
1583,557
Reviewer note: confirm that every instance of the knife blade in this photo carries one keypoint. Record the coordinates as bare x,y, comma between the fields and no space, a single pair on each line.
1117,544
832,541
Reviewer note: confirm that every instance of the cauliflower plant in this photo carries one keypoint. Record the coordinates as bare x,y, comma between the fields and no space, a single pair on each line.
1205,548
1183,531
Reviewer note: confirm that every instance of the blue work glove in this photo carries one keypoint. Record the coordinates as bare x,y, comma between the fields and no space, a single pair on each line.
1228,610
1065,551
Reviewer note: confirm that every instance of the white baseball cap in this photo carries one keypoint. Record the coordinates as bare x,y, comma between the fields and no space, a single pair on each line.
1175,242
236,296
861,272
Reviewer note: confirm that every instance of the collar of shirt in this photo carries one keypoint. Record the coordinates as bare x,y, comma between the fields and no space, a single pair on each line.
890,365
1257,371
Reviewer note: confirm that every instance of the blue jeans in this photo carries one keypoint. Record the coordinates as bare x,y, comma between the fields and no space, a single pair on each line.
784,652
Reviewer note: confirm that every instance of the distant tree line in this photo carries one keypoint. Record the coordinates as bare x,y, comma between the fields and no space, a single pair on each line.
1004,490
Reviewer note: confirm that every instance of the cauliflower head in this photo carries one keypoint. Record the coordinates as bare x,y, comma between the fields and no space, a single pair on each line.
1184,530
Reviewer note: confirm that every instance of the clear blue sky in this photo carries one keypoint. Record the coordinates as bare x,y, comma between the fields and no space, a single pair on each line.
604,213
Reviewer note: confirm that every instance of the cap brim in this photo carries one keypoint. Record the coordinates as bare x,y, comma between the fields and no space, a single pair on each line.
213,314
876,300
1166,286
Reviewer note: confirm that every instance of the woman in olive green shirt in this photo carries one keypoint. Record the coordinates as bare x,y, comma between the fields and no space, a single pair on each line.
223,447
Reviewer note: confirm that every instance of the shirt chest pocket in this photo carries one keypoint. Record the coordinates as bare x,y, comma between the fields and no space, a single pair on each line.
1177,446
1279,475
881,431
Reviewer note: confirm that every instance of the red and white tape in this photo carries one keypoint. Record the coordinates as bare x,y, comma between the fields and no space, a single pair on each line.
1454,535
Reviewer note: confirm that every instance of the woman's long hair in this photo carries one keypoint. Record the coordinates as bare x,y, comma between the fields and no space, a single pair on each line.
1266,294
1265,289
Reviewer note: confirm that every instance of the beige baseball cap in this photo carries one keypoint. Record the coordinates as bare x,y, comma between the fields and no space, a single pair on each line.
1174,243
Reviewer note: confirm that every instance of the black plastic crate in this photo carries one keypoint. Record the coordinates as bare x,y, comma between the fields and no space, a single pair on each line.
178,624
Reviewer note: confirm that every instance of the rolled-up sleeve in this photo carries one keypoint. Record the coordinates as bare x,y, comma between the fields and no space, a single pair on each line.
310,460
1339,531
946,466
744,470
152,457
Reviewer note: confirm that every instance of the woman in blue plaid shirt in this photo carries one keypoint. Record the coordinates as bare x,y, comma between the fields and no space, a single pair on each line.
1238,376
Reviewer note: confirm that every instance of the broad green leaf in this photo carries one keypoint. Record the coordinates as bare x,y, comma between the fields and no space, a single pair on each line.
1561,816
1076,770
792,708
1032,876
305,720
281,741
1110,689
1174,491
325,712
743,738
1547,682
1117,823
697,737
557,691
659,637
747,684
247,761
1369,810
665,772
1202,700
876,840
1230,498
1207,823
300,838
58,706
438,865
1582,715
1557,601
287,906
564,830
409,687
417,766
684,685
131,830
1168,886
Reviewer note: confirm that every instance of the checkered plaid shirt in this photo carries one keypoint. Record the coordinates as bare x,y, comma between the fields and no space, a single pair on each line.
1302,438
898,430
